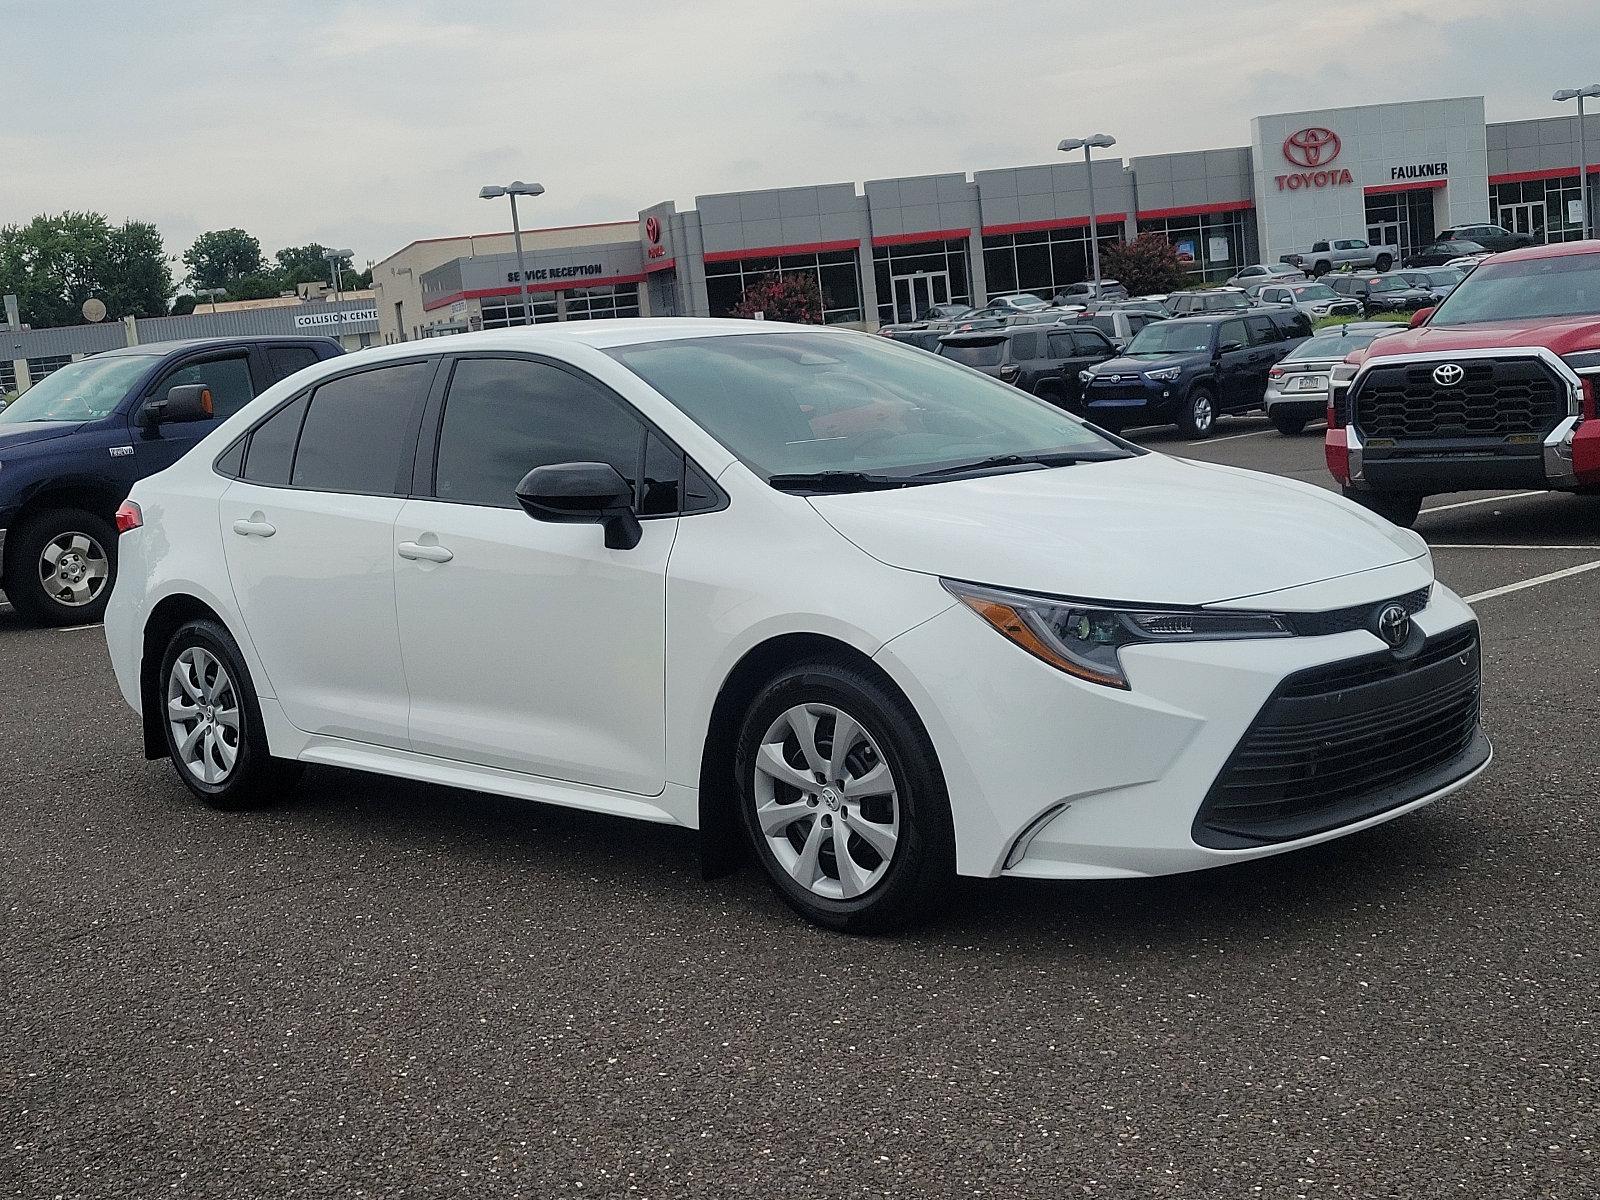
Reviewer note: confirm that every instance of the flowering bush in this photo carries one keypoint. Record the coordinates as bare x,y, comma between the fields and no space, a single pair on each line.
783,298
1145,266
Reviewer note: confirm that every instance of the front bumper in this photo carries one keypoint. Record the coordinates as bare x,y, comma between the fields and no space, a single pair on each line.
1050,777
1138,398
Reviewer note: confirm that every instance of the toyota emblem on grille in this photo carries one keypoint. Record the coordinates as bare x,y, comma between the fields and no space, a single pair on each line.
1449,374
1394,625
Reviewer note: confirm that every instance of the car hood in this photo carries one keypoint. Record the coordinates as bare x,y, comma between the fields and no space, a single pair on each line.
1561,334
1148,530
25,433
1128,365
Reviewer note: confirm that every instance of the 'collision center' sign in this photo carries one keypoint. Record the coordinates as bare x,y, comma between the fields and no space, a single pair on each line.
350,316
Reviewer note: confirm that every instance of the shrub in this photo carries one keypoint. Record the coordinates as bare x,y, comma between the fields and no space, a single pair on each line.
1144,266
783,298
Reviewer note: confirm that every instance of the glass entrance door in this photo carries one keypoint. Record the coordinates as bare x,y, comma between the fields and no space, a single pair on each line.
1386,233
1524,218
915,294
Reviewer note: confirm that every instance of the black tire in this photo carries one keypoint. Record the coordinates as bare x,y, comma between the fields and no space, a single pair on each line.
1394,507
1289,424
256,778
1383,263
24,558
1321,269
1198,415
922,862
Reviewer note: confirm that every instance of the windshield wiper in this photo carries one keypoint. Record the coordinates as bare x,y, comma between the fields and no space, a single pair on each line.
995,462
834,481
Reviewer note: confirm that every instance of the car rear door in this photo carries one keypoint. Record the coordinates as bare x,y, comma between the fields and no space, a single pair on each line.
1267,346
530,646
1235,364
309,537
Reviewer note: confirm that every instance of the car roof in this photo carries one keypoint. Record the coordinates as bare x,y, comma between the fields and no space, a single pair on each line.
1553,250
177,344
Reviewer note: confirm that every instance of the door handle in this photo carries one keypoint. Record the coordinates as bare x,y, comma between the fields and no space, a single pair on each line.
417,552
255,527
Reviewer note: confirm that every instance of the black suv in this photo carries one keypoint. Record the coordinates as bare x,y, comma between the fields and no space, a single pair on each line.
1491,237
73,445
1188,304
1391,292
1191,370
1045,360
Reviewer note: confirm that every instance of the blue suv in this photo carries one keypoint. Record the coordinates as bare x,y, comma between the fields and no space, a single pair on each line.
73,445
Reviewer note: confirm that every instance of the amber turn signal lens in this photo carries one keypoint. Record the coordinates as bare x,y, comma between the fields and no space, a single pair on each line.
1011,624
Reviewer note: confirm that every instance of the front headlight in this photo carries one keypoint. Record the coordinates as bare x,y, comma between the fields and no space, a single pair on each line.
1164,374
1083,639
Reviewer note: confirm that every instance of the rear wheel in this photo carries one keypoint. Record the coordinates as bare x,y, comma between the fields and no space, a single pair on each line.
1395,507
843,801
60,565
1384,263
1289,424
1198,416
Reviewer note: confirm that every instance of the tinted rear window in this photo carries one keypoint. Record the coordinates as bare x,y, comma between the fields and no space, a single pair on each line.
974,354
284,361
358,432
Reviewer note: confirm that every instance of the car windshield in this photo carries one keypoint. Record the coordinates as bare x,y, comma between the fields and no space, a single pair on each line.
1171,337
1529,289
798,403
86,390
974,353
1330,345
1392,283
1315,291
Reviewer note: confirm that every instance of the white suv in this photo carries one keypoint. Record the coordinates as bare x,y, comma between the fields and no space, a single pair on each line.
877,615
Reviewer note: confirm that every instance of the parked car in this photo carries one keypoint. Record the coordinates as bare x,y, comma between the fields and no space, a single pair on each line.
1297,387
1086,292
645,568
1466,265
1381,293
1264,273
1493,238
1315,299
1436,254
1005,306
946,312
1190,370
74,443
922,336
1045,361
1438,282
1208,300
1491,389
1118,324
1351,253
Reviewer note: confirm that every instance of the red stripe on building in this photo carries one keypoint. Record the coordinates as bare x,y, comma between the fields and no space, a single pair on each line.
1110,218
1530,176
1420,185
774,251
663,264
548,285
1195,210
933,235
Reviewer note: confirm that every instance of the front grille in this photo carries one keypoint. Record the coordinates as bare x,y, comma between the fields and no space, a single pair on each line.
1343,742
1359,616
1129,388
1496,398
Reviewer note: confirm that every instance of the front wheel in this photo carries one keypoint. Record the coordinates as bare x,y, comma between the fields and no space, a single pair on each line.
1198,416
843,801
1289,424
212,721
1394,507
60,565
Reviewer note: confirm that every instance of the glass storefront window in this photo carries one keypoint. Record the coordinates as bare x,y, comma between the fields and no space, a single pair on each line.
1541,207
834,271
1215,244
1042,261
945,261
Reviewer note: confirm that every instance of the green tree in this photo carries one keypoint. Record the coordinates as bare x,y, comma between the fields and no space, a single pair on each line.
305,264
1145,266
55,263
183,305
222,257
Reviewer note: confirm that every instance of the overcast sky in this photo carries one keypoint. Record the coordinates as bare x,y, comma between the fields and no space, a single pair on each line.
370,124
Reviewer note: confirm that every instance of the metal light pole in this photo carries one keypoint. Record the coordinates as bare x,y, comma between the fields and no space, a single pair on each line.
335,257
1068,145
213,293
514,189
1579,94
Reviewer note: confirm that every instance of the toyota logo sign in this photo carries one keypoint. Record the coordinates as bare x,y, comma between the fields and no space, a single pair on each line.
652,229
1312,147
1394,626
1448,375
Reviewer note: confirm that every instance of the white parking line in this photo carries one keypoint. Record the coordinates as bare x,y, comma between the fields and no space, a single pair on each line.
1535,581
1232,437
1484,500
76,628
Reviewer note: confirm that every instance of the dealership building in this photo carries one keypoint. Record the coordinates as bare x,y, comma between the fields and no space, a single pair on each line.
1391,173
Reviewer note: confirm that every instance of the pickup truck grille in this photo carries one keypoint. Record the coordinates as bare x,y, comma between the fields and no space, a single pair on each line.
1496,398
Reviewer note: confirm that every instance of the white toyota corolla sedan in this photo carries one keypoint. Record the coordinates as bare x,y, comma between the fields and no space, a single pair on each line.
876,615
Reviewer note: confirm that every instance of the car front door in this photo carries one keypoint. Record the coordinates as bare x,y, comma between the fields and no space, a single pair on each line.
1235,364
530,646
233,385
309,537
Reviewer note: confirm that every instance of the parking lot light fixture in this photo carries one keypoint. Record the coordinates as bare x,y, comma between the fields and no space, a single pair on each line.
1092,142
514,189
335,259
1580,94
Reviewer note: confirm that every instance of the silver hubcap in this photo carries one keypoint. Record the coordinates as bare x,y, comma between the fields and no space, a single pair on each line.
203,711
73,569
1202,412
827,801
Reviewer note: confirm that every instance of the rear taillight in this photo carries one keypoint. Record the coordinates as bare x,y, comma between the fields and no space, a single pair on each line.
1277,372
1336,450
129,517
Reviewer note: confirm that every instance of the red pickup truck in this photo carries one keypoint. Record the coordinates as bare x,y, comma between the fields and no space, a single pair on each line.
1494,388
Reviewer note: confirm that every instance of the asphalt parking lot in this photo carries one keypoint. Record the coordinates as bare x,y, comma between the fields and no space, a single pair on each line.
388,989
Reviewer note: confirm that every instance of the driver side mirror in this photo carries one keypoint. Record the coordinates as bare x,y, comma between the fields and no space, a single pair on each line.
1420,317
186,402
583,493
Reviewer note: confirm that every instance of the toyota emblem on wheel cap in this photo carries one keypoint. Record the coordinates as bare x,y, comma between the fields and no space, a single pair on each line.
1394,626
1449,374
